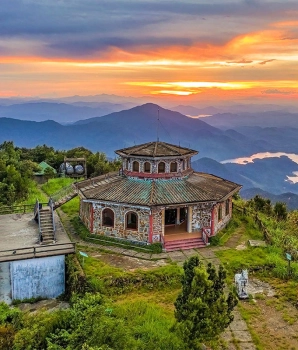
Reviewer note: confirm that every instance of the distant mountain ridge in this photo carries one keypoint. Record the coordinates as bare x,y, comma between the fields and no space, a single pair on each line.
59,112
277,119
136,125
140,124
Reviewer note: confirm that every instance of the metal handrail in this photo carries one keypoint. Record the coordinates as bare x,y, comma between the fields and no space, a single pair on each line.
162,240
205,236
37,214
63,192
18,209
51,205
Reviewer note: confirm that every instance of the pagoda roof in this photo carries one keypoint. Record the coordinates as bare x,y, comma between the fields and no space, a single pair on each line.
198,187
156,149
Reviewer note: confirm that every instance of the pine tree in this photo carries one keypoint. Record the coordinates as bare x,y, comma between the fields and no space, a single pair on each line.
202,309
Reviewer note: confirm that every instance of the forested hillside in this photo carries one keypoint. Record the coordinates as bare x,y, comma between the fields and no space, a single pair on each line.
17,166
118,302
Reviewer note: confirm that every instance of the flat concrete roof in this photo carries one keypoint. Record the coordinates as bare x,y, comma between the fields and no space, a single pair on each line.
19,238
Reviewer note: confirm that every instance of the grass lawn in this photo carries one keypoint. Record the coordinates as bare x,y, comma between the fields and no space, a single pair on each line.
54,185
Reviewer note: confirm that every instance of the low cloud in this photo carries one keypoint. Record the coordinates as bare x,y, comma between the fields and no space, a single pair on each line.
276,91
267,61
243,61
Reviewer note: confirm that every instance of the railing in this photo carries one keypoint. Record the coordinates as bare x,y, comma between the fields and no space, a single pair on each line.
93,180
204,237
51,205
162,241
37,252
17,209
262,227
206,233
63,192
37,208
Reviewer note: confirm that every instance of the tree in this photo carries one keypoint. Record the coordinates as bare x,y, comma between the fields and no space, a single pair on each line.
262,204
280,211
49,173
202,309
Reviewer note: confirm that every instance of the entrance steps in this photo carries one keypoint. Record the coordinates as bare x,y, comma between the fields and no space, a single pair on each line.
183,244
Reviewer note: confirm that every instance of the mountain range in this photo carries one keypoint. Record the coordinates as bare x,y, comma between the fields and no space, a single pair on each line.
218,137
136,125
61,112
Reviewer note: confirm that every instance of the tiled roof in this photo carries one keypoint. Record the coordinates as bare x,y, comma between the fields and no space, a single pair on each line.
198,187
156,149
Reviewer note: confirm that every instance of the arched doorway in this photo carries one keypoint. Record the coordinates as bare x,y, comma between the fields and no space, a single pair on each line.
175,220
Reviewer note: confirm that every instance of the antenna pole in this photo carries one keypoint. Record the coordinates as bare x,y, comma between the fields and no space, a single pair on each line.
157,131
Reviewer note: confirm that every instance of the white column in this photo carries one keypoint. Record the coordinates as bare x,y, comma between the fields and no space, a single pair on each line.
178,216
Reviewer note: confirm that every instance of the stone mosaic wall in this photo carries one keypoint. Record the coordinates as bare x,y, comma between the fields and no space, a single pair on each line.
119,230
154,164
220,224
201,216
157,224
85,214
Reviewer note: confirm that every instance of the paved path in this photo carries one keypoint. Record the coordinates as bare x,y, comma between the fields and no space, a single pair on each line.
237,335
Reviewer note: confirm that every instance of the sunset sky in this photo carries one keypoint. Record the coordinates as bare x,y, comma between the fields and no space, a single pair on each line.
190,50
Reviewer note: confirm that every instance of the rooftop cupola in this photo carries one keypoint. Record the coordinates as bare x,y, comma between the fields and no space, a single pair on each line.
156,160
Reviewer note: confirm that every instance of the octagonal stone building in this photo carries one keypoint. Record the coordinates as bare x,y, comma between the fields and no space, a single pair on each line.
157,197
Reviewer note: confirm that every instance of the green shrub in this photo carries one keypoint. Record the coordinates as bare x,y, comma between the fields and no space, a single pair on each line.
9,315
214,240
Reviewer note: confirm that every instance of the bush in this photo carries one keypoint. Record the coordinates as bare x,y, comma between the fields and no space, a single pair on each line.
214,240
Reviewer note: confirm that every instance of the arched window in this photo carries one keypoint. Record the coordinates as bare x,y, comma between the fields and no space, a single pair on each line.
132,220
108,217
135,166
147,167
173,167
161,167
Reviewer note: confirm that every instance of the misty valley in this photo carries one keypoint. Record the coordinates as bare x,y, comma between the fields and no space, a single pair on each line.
257,149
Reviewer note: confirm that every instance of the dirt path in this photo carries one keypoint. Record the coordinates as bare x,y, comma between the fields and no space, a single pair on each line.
236,239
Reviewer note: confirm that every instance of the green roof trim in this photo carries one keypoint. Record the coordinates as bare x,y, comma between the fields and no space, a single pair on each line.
198,187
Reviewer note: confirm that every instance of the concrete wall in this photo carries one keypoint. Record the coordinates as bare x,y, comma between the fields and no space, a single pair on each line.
5,287
42,277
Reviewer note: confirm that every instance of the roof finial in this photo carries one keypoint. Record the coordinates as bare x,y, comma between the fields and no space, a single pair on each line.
157,131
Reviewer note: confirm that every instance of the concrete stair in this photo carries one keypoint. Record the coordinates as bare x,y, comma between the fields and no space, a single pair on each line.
184,244
64,200
46,226
63,195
